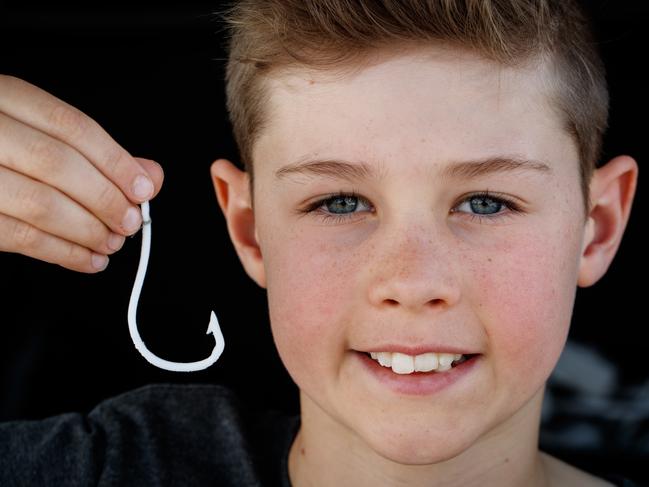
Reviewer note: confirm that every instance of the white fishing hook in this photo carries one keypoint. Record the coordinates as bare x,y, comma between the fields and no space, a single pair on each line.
212,328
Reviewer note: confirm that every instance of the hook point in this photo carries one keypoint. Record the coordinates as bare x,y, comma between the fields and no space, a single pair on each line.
214,324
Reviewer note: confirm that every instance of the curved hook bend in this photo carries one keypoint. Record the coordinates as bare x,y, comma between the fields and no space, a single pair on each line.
212,328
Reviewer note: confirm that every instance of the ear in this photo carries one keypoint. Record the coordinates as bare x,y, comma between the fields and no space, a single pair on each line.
233,193
612,190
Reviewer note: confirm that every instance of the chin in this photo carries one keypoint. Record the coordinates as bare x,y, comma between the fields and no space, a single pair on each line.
419,449
428,456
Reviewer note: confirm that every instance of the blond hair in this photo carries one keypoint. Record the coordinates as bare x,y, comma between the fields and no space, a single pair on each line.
265,35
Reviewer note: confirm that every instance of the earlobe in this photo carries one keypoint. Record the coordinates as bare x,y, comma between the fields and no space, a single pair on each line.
233,194
612,190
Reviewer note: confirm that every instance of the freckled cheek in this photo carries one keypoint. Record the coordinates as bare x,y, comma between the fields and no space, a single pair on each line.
527,297
310,290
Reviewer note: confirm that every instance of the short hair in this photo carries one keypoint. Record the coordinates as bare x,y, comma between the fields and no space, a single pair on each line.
265,35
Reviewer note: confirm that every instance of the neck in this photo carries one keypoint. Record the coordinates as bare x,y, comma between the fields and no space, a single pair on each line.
326,452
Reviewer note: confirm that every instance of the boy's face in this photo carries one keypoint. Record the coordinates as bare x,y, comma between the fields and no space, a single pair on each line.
409,262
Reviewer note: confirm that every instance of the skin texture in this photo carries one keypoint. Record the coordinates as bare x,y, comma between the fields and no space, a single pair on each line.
411,265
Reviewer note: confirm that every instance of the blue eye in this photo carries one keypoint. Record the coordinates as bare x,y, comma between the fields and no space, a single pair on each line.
483,206
339,207
341,204
486,207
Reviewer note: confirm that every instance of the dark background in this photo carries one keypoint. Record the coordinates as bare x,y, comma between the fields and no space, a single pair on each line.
152,76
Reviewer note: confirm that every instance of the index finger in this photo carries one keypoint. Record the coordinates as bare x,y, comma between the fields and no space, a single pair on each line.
37,108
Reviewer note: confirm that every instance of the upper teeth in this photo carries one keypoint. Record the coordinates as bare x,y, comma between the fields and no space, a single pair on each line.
407,364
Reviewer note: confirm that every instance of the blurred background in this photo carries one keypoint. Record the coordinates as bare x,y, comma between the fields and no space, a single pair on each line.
152,76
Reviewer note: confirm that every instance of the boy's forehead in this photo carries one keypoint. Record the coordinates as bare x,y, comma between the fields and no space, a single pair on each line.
457,106
409,72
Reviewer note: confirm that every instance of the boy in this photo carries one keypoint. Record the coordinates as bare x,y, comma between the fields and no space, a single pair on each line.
432,165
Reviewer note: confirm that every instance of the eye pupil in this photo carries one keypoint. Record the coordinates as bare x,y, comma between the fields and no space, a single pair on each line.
484,205
342,204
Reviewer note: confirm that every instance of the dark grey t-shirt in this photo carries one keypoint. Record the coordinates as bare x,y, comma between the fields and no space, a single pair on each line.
158,435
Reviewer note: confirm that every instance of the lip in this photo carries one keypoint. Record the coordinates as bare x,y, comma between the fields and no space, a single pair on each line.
419,349
417,383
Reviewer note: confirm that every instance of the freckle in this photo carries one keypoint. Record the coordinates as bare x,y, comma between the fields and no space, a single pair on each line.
489,259
506,460
302,451
311,82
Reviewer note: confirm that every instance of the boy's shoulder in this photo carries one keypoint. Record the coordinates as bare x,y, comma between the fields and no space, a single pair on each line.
175,397
564,474
160,434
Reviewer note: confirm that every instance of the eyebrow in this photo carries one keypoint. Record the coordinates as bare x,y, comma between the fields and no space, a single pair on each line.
472,169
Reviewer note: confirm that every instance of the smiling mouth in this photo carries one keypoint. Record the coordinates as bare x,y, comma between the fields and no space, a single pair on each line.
401,363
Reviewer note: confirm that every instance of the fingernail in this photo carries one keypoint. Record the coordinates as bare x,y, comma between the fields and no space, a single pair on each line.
115,241
142,187
99,262
132,220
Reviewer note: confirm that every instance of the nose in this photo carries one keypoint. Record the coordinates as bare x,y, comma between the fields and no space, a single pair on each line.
414,268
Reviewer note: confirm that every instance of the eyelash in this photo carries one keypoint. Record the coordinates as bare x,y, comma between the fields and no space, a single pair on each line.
511,206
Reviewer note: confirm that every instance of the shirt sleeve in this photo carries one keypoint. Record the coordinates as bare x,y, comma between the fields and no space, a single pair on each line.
61,450
158,435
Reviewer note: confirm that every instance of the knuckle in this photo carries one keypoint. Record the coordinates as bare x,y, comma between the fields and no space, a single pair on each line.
112,160
73,253
106,197
35,202
69,120
96,236
47,154
25,236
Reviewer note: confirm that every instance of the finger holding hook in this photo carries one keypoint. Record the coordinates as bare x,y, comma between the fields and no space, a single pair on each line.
212,328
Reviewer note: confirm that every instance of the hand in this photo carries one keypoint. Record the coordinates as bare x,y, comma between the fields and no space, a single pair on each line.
68,191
